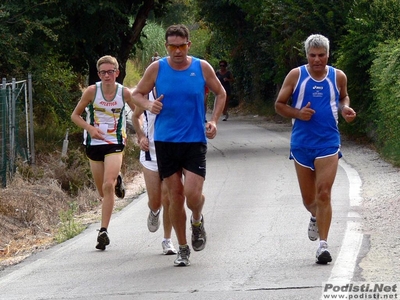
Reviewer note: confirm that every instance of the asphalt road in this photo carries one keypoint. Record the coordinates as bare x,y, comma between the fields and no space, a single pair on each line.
257,245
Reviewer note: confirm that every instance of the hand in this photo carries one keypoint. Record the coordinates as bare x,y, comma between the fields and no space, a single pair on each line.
96,133
305,113
211,130
156,106
348,113
144,144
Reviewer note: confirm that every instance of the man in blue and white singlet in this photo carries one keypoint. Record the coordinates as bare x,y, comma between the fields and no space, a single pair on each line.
180,133
318,93
143,123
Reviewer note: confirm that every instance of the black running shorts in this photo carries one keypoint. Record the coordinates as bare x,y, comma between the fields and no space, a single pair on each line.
98,152
173,157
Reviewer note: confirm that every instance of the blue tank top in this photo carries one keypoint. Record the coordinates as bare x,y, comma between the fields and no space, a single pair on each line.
321,131
181,119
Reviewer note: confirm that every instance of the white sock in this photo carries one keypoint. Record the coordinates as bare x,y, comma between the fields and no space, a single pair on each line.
196,221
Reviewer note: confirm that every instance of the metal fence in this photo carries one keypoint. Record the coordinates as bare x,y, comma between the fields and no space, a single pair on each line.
16,126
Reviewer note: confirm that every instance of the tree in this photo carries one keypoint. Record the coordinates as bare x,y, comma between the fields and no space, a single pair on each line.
93,29
264,38
25,33
369,24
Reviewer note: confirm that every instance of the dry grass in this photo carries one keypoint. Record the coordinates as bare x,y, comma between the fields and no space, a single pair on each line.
29,214
35,199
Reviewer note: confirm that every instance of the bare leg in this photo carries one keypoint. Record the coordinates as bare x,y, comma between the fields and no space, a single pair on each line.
177,213
153,187
225,111
166,218
112,167
97,169
325,170
316,189
193,191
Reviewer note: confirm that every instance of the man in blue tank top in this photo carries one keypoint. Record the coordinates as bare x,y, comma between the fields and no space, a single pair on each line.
180,134
318,93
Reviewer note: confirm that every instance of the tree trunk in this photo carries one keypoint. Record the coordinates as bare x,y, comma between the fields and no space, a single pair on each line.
127,42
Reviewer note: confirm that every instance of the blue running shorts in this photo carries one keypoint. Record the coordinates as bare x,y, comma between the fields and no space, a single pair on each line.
306,157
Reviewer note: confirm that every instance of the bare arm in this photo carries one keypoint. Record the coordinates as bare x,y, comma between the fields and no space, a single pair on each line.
128,98
344,101
76,116
137,121
216,87
281,103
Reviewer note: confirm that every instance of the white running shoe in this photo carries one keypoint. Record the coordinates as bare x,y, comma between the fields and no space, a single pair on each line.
168,247
182,259
313,233
153,221
323,256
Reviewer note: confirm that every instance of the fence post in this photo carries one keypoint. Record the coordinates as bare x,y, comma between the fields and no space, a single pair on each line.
3,134
32,138
13,148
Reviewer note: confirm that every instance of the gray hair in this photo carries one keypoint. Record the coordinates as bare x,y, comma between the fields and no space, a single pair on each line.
316,41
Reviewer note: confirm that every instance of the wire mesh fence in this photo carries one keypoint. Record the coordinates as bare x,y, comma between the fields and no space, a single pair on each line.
16,126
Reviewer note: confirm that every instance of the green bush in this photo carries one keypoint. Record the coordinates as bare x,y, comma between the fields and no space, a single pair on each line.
384,73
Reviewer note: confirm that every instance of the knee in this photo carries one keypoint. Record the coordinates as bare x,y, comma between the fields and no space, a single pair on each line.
175,200
108,186
195,202
324,197
308,199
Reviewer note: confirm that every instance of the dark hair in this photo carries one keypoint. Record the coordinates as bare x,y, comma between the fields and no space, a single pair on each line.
177,30
223,62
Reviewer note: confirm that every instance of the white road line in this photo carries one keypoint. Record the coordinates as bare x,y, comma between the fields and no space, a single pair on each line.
345,263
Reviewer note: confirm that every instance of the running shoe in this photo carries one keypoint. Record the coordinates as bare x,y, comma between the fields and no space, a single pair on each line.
120,187
102,240
313,233
199,236
153,221
323,256
168,247
182,259
226,117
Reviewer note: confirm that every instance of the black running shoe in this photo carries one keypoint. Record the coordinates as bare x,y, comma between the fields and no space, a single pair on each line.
102,240
323,256
120,187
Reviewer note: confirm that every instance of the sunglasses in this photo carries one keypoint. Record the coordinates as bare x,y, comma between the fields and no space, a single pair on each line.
222,65
181,47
